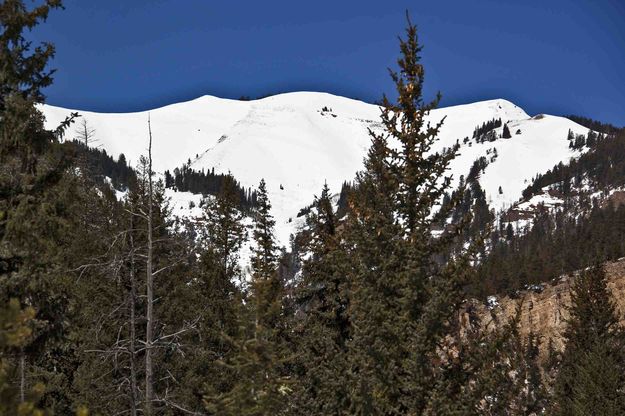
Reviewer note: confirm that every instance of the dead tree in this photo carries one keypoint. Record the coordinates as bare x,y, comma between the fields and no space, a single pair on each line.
149,386
85,134
132,323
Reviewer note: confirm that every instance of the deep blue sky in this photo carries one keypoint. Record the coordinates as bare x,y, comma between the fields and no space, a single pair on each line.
553,56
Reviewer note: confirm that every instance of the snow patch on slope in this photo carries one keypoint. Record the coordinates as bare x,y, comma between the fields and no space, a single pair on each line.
299,141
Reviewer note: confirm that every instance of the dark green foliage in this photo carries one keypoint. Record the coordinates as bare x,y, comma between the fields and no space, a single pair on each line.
187,179
489,371
264,256
603,166
579,141
581,232
23,75
470,202
506,132
225,320
37,212
224,233
485,132
375,295
102,289
323,328
102,165
477,169
369,327
342,204
556,244
401,299
595,125
535,397
259,354
591,377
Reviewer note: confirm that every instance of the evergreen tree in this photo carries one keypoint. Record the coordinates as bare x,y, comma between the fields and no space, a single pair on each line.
323,328
403,301
591,377
110,266
208,183
202,299
225,232
371,234
506,132
488,371
15,331
35,212
534,395
215,299
24,75
264,255
259,354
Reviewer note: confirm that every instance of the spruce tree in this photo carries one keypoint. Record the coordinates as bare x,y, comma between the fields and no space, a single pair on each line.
221,288
215,299
403,300
15,331
225,233
506,132
488,370
591,377
35,213
323,326
371,234
24,75
102,284
259,353
264,255
534,398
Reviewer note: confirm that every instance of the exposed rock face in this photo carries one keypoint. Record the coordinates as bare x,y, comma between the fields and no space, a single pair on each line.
544,308
617,198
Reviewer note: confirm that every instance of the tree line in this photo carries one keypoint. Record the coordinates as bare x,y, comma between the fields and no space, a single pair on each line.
102,166
486,132
107,308
187,179
603,167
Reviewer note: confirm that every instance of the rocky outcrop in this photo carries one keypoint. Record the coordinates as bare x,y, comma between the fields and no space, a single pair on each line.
544,308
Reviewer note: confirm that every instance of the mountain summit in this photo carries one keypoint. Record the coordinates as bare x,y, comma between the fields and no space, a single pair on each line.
299,141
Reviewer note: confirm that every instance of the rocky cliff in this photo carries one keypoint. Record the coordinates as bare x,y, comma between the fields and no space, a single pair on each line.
544,308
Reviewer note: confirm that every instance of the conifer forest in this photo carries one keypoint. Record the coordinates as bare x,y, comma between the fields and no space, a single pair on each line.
387,300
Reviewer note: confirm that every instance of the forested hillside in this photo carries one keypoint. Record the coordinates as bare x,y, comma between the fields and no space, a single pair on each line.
586,226
109,305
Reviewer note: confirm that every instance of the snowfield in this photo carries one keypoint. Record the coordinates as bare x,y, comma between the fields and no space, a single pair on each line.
297,141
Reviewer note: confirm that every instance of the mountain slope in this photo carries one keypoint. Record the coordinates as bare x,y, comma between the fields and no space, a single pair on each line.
298,141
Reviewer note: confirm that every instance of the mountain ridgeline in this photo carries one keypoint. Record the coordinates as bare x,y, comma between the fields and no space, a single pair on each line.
119,295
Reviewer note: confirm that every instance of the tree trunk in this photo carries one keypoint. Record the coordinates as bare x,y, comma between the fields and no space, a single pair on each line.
149,388
22,376
133,329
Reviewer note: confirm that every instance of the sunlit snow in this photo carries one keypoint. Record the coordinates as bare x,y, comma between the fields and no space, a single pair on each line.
298,141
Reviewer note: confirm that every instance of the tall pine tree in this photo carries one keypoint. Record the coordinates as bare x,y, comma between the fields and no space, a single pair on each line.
260,353
323,326
403,300
225,233
591,378
35,214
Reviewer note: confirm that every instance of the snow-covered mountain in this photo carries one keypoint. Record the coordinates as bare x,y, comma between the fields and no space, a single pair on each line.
298,141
